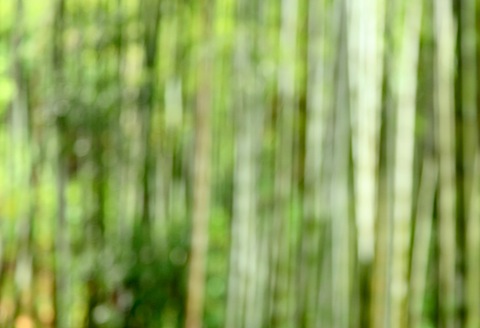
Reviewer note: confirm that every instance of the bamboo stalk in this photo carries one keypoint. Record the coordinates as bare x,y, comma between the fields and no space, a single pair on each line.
365,68
422,241
468,73
341,245
365,64
473,249
406,84
281,313
320,69
444,68
62,253
201,183
239,276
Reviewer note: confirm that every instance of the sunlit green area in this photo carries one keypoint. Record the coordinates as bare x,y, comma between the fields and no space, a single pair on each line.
239,163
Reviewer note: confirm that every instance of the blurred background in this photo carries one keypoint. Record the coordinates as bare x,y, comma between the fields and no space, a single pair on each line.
239,163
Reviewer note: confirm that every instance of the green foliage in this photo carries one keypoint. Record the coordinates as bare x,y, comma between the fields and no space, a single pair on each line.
156,280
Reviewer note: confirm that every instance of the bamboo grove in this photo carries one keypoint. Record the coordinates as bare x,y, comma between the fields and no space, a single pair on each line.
239,163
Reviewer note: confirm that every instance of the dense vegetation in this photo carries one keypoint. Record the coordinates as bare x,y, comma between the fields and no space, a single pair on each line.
239,163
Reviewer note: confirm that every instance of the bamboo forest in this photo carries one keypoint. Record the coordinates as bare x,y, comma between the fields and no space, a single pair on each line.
239,163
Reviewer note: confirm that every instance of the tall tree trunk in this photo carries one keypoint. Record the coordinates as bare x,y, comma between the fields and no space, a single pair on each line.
62,253
365,63
201,176
243,307
23,166
281,313
444,102
340,194
150,13
405,76
468,96
422,241
425,194
473,248
319,70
